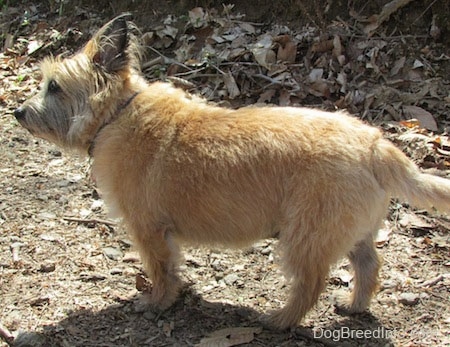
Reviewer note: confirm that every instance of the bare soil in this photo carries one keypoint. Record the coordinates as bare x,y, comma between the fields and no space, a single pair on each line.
69,275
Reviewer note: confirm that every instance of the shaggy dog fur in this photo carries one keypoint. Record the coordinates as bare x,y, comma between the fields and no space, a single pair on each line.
180,170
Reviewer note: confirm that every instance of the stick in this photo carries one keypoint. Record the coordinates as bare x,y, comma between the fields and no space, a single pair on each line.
90,221
6,335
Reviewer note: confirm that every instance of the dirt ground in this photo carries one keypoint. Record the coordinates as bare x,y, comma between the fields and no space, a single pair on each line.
68,273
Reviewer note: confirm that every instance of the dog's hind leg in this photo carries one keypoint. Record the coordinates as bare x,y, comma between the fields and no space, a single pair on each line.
366,264
307,257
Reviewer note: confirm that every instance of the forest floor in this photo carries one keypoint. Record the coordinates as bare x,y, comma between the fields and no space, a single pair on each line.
69,275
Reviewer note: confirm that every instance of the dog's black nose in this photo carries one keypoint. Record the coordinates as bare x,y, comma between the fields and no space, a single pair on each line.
19,113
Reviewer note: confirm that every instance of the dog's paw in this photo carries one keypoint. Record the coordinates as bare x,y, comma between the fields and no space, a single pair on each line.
159,299
342,300
160,294
277,321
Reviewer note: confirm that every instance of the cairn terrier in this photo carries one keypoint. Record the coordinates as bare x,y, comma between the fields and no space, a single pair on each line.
177,170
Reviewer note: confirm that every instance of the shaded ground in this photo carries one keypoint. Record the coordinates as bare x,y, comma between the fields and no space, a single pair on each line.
68,275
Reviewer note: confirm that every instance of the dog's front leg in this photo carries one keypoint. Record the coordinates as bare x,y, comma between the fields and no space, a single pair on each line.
160,256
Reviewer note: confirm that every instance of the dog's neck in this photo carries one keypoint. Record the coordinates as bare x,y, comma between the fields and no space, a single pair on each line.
121,107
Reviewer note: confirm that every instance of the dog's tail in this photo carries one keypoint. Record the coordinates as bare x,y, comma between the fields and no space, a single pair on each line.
402,178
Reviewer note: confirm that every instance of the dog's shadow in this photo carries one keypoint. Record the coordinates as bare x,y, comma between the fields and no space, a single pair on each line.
186,323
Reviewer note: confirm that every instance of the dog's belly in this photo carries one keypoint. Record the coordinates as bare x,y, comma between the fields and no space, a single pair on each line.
227,213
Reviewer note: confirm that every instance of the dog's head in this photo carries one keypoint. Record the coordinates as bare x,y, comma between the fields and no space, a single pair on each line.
81,93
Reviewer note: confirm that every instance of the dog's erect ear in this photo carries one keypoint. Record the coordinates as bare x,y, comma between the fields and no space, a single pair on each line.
107,48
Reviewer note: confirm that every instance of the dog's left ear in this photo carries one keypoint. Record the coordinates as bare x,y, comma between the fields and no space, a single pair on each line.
107,48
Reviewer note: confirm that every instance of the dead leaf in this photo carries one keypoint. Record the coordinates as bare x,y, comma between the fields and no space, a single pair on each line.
230,337
263,53
383,236
322,46
398,65
9,42
197,17
285,98
410,123
320,88
266,96
232,87
413,221
250,29
425,118
315,75
34,46
168,328
417,64
386,12
287,49
141,283
337,46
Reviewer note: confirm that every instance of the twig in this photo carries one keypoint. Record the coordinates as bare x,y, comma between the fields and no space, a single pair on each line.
432,281
267,78
90,221
6,335
152,62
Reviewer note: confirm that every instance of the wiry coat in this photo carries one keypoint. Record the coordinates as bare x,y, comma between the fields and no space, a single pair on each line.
179,170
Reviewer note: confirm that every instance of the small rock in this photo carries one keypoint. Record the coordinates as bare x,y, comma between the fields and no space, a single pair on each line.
230,279
97,205
389,284
131,257
63,183
46,216
116,271
409,299
112,253
267,250
40,301
47,267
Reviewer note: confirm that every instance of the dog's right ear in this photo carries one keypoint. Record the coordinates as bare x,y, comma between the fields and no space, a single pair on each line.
108,47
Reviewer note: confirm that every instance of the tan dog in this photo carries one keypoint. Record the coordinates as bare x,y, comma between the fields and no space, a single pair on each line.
178,170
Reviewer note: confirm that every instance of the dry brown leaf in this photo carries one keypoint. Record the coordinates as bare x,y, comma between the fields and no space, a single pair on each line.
9,42
398,65
386,12
232,87
413,221
167,328
410,123
266,96
287,49
322,46
425,118
337,46
285,98
320,88
230,337
141,283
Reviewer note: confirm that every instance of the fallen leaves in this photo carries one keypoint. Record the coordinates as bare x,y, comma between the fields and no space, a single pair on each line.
230,337
224,57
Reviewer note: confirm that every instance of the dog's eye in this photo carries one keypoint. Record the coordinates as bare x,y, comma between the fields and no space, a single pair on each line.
53,87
